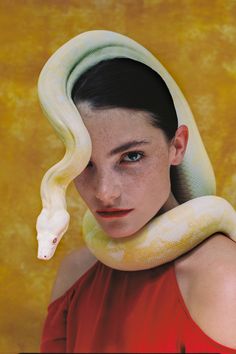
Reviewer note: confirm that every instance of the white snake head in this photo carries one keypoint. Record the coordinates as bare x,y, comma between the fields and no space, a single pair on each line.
50,229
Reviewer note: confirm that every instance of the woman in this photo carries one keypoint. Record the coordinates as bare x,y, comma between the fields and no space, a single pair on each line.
187,305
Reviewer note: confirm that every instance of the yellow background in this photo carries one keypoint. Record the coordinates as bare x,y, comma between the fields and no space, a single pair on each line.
196,42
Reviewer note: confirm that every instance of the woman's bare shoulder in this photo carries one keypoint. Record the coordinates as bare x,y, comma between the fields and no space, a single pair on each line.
72,267
207,279
216,252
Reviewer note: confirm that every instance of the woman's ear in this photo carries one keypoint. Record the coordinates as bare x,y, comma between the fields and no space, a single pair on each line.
178,145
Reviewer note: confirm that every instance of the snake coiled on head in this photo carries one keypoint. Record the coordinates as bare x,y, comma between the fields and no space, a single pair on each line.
165,237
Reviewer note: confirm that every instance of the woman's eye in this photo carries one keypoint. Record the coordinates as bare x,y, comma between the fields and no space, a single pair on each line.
89,164
133,156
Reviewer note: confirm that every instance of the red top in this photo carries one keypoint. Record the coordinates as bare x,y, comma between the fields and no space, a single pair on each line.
109,310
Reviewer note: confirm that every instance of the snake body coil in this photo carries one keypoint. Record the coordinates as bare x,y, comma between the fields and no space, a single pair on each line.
167,236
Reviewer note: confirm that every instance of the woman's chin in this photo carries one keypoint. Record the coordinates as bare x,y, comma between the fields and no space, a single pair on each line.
120,234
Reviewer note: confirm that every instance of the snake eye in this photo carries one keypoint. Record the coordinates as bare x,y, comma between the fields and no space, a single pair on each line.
54,240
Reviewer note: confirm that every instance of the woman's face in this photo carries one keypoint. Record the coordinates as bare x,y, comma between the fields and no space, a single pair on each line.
128,169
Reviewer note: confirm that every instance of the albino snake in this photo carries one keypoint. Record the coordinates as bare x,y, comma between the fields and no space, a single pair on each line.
165,237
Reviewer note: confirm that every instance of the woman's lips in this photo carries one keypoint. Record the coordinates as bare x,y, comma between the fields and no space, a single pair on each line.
113,214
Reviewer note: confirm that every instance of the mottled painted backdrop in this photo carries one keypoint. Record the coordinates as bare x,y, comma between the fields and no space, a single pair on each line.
194,39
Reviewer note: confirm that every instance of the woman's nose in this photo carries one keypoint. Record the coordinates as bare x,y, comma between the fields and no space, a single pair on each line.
107,189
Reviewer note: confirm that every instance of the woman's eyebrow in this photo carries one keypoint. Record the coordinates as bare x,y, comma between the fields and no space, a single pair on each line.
127,145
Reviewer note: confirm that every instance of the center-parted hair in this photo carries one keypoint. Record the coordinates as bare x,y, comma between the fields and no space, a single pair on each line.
126,83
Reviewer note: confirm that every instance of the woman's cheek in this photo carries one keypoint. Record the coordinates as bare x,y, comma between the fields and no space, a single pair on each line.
135,181
81,184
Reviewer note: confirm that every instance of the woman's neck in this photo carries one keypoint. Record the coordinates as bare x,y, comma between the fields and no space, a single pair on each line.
169,204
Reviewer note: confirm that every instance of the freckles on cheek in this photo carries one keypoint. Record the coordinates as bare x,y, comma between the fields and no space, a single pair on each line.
138,181
156,176
79,184
82,178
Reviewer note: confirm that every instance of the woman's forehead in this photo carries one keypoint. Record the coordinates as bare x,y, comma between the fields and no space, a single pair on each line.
115,118
87,110
115,127
115,130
